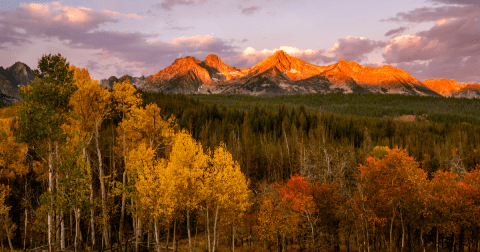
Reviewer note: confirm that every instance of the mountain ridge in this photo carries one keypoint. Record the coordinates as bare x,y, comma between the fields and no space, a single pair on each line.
278,74
281,73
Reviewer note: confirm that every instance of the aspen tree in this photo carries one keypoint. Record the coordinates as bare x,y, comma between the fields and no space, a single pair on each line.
154,185
225,192
125,100
12,166
93,104
43,110
189,162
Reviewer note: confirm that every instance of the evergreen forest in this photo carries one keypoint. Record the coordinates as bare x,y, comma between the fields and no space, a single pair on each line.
83,168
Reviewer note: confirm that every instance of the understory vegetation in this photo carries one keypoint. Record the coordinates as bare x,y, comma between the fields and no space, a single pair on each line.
85,168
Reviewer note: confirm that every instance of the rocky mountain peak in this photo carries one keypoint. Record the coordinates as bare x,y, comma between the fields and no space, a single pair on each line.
213,60
293,67
443,86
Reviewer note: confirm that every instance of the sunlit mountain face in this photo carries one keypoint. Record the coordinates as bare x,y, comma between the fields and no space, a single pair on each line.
281,73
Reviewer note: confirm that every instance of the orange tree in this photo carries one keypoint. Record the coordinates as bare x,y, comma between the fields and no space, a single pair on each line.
440,204
389,189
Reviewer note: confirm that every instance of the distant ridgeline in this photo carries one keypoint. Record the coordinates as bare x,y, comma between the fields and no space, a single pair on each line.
278,74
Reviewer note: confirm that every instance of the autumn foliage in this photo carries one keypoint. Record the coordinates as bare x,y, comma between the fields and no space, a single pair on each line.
96,169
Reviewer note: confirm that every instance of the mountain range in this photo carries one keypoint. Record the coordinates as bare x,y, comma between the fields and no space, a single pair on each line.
278,74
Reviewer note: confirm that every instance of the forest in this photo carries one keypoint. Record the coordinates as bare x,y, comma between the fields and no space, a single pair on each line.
85,168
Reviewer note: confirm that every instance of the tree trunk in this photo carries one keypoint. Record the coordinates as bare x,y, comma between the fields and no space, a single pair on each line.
195,239
8,235
62,231
215,237
391,233
137,231
157,238
174,238
421,239
78,233
148,236
403,231
188,232
209,248
436,241
50,190
233,234
336,239
122,211
26,227
168,237
101,174
92,216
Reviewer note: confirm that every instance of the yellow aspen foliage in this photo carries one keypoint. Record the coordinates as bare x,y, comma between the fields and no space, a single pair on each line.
91,102
125,97
154,183
225,183
188,163
146,125
12,154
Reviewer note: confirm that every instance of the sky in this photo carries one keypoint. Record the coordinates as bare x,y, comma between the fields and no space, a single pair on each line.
427,38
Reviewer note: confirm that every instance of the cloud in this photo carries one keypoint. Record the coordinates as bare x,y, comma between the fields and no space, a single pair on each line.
353,48
114,13
450,49
77,28
178,28
429,14
250,56
250,10
456,1
169,4
397,31
406,48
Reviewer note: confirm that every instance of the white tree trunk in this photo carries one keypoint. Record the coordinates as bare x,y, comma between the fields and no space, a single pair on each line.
62,231
77,227
50,190
208,232
102,186
122,213
92,216
215,236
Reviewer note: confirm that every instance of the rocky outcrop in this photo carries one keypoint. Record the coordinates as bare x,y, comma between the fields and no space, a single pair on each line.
15,76
219,71
136,81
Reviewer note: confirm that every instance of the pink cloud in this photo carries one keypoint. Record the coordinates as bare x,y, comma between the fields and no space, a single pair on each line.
353,48
450,49
250,56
